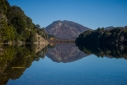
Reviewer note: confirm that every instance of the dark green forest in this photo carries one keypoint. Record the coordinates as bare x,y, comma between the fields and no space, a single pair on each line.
16,26
103,42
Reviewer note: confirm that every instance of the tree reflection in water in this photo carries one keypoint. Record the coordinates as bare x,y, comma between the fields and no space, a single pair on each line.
105,51
15,59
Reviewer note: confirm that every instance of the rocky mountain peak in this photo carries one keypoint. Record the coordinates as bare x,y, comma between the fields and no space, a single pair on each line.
65,29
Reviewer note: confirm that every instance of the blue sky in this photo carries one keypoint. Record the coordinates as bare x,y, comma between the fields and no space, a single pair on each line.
89,13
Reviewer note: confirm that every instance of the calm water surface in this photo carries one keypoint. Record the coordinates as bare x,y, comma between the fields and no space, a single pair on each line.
75,69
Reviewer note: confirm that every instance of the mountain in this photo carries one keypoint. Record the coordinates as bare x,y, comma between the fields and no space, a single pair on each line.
65,53
110,27
65,29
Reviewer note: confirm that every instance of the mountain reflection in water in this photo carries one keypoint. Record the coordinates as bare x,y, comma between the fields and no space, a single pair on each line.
65,53
14,60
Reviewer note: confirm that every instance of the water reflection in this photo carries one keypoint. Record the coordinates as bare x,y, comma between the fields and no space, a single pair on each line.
65,53
105,51
15,59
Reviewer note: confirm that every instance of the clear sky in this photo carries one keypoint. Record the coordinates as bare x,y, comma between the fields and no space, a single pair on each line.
89,13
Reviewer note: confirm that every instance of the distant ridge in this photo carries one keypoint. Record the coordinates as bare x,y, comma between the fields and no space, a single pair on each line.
66,29
112,27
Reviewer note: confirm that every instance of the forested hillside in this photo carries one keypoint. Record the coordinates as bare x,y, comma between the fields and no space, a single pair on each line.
103,42
102,37
15,25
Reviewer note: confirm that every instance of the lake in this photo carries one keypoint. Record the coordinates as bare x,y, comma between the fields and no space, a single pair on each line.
63,64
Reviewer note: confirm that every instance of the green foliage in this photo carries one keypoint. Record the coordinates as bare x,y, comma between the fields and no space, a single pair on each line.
16,26
7,33
42,32
17,18
29,23
3,6
31,37
112,42
101,37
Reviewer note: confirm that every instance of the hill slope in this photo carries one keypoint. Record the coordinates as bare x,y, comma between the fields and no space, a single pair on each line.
65,29
16,26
